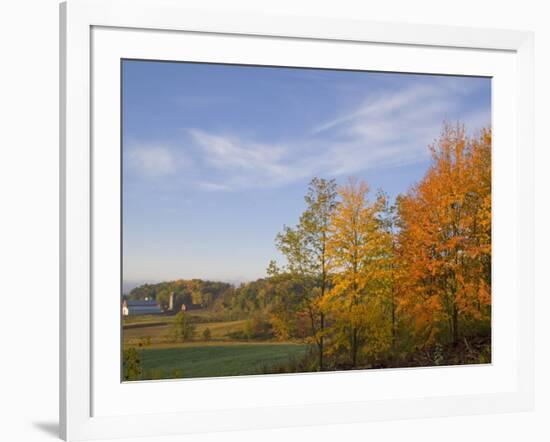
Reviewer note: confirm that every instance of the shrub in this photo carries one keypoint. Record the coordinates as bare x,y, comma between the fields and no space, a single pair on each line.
131,365
257,328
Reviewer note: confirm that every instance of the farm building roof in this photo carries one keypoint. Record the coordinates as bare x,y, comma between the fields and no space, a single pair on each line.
141,303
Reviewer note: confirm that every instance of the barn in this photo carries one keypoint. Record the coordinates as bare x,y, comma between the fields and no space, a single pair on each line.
140,307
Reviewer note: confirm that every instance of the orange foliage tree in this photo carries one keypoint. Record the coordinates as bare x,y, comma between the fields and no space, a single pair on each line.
444,240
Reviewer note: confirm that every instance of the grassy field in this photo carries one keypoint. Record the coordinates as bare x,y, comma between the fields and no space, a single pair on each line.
221,355
211,359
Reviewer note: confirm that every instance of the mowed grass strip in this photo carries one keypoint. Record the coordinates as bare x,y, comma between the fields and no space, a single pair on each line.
217,360
161,333
141,319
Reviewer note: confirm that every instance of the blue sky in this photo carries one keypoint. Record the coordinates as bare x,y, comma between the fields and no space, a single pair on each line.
216,158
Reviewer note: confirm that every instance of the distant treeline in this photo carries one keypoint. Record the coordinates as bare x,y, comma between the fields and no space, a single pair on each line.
193,291
230,301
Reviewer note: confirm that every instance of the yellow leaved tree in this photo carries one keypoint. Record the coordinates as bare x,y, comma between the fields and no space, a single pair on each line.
359,248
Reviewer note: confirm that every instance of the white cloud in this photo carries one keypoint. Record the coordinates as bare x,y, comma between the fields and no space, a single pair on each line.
225,152
240,162
380,106
153,160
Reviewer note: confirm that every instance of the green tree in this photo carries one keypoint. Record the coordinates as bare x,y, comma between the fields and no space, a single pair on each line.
305,248
182,329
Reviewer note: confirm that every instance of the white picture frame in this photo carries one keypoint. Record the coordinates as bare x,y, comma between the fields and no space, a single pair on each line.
95,34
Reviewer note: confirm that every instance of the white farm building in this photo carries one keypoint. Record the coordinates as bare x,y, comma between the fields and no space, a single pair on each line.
140,307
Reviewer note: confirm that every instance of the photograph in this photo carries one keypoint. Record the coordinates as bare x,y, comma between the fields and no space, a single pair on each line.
281,219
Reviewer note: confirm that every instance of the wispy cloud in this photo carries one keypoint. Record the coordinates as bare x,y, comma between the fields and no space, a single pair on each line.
380,106
232,152
386,129
409,114
154,160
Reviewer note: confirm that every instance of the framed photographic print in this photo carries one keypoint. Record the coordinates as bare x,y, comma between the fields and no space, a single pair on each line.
314,221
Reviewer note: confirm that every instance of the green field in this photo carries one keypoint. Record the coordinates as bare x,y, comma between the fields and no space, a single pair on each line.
162,357
217,360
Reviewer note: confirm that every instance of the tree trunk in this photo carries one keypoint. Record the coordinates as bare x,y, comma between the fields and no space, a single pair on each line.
354,347
455,324
321,338
392,324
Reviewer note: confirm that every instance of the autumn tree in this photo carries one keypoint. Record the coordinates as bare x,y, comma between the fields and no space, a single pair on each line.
445,236
305,249
358,248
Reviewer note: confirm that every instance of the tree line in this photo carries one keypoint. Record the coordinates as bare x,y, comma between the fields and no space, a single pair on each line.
188,292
